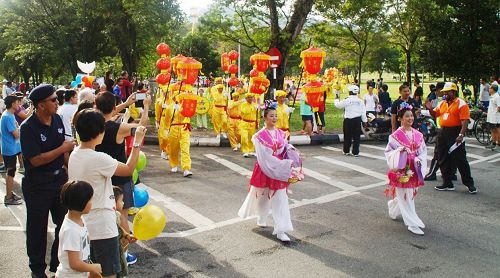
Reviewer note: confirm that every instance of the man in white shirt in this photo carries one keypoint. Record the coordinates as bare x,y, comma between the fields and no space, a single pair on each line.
354,114
371,101
67,110
484,93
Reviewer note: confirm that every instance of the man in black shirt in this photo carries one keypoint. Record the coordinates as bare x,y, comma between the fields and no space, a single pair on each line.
419,92
404,91
45,154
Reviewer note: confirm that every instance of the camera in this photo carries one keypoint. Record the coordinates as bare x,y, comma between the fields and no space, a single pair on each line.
139,99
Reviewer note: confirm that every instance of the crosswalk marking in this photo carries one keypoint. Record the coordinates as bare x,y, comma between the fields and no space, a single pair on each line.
352,167
361,153
328,180
233,166
383,149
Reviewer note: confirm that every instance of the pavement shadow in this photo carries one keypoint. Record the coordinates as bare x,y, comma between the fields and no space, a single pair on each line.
177,257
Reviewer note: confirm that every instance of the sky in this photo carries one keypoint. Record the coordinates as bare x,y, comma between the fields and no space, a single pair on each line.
198,6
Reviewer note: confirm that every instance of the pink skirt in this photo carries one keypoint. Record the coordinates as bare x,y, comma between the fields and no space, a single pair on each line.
259,179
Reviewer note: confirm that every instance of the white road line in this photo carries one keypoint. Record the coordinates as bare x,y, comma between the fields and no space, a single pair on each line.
383,149
474,146
185,212
352,167
328,180
361,153
485,159
494,160
12,228
233,166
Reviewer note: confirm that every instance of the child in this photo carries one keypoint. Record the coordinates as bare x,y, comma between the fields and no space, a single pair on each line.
123,237
406,155
74,248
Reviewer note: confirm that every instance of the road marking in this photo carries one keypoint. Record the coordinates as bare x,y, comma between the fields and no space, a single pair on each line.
12,228
484,159
185,212
233,166
328,180
494,160
361,153
383,149
352,167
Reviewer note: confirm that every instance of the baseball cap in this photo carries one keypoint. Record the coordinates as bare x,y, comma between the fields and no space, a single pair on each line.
449,86
353,89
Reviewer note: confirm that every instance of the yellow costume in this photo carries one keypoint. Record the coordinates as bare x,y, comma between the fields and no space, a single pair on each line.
219,106
162,118
248,124
234,121
179,138
283,113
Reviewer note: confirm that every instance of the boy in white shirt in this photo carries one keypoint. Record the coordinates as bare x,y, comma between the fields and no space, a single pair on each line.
74,249
371,101
97,168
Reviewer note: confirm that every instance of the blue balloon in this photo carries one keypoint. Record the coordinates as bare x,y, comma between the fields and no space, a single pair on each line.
78,78
73,84
141,197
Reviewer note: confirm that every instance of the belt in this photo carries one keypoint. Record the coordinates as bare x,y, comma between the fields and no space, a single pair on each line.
235,118
285,129
187,126
220,106
37,177
249,121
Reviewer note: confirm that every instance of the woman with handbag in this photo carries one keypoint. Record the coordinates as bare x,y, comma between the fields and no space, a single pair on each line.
406,156
278,164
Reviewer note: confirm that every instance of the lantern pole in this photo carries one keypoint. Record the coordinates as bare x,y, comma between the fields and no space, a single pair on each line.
239,60
298,84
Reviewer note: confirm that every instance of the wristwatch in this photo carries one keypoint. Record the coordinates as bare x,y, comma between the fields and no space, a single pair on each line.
136,145
460,135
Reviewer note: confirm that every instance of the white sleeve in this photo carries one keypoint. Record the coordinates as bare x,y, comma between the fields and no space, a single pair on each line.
340,104
107,165
271,166
422,156
363,114
69,239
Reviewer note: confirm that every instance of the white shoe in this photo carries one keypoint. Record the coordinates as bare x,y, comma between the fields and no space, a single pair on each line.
164,155
283,237
224,135
252,154
175,169
239,146
416,230
187,173
245,155
235,149
261,222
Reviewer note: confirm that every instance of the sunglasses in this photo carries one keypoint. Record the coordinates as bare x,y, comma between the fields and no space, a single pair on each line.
54,99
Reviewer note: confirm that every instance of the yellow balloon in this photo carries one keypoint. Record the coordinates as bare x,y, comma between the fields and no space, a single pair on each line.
149,222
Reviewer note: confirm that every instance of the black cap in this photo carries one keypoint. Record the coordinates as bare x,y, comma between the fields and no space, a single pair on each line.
41,92
10,99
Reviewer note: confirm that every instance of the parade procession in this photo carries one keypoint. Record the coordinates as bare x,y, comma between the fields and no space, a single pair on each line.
297,138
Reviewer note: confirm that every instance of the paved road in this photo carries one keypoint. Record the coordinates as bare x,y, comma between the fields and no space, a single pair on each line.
339,214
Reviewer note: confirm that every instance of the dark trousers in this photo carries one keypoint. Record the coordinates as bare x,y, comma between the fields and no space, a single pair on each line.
42,197
352,133
455,160
435,159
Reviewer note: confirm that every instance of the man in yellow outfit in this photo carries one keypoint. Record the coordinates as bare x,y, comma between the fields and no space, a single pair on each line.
179,138
283,112
163,121
234,121
219,114
248,125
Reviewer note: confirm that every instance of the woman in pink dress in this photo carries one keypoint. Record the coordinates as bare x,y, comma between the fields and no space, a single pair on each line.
406,155
271,177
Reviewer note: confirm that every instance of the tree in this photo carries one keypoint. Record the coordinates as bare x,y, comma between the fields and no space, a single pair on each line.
351,28
383,57
260,25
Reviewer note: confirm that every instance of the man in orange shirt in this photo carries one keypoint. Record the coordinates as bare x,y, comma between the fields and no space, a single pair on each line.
454,116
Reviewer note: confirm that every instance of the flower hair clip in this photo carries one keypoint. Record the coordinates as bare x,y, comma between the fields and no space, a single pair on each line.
405,105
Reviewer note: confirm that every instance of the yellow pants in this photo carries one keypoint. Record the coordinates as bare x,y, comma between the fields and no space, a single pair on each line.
163,137
247,130
219,119
234,132
179,143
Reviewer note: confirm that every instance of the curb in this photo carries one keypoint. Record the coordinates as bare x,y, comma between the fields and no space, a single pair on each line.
296,140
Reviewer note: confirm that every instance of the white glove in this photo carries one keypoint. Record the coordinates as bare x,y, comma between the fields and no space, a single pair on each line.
289,110
164,106
226,94
157,125
176,106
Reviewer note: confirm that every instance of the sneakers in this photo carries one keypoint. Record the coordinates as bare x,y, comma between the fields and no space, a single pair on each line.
175,169
16,197
283,237
493,146
224,135
235,149
430,178
164,155
416,230
12,201
472,189
261,222
131,259
347,154
356,155
133,211
245,155
187,173
2,168
21,170
445,187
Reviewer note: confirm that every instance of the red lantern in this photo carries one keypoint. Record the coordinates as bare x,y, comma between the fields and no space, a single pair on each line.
163,64
259,85
233,55
254,73
225,62
175,60
188,105
163,49
163,78
261,61
233,69
314,91
188,70
233,81
312,59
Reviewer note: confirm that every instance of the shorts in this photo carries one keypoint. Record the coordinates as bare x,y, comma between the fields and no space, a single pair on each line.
307,118
492,125
486,103
128,194
320,118
107,253
10,162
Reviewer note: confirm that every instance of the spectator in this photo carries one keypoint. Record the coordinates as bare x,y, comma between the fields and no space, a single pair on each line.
404,91
127,86
371,101
67,110
493,117
307,116
60,96
116,89
11,147
484,93
320,115
2,165
418,94
384,97
103,88
45,152
432,95
86,94
108,81
7,90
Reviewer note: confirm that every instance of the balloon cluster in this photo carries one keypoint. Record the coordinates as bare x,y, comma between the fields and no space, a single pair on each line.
258,82
163,64
84,79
